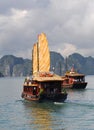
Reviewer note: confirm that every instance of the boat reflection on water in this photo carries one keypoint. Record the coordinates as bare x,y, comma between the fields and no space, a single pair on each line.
39,115
42,119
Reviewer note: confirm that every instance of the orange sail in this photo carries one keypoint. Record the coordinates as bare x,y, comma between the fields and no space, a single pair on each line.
35,58
44,54
41,55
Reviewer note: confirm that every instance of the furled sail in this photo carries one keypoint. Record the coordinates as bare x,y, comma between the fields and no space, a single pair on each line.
41,55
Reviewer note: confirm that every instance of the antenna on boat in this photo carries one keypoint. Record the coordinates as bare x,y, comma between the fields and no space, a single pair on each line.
53,69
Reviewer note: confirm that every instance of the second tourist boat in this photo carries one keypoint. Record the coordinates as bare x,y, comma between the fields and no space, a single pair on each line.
74,80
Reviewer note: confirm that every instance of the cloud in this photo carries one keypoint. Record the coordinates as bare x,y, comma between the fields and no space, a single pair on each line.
69,26
68,49
13,37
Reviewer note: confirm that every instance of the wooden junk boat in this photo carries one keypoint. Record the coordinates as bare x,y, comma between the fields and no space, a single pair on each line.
74,80
44,85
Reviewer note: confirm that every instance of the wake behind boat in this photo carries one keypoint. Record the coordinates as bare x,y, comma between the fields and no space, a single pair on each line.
44,85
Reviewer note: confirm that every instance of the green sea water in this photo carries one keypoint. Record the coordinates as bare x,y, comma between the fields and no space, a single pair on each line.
77,113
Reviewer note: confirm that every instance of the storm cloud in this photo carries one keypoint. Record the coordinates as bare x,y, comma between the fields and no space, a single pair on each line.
69,26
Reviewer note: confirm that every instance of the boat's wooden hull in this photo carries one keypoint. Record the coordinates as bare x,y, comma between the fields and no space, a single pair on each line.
43,97
77,85
29,97
55,98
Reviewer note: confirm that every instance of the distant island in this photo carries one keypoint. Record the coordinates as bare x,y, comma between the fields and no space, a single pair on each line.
17,66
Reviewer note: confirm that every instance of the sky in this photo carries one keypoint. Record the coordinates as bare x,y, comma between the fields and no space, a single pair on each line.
68,25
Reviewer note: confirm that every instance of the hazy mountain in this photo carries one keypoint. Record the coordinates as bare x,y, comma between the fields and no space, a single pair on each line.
16,66
82,64
57,63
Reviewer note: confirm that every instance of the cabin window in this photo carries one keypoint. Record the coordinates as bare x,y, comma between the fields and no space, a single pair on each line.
52,87
34,90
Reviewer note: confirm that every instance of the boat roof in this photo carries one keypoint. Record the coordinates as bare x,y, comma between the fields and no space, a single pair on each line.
46,77
74,74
